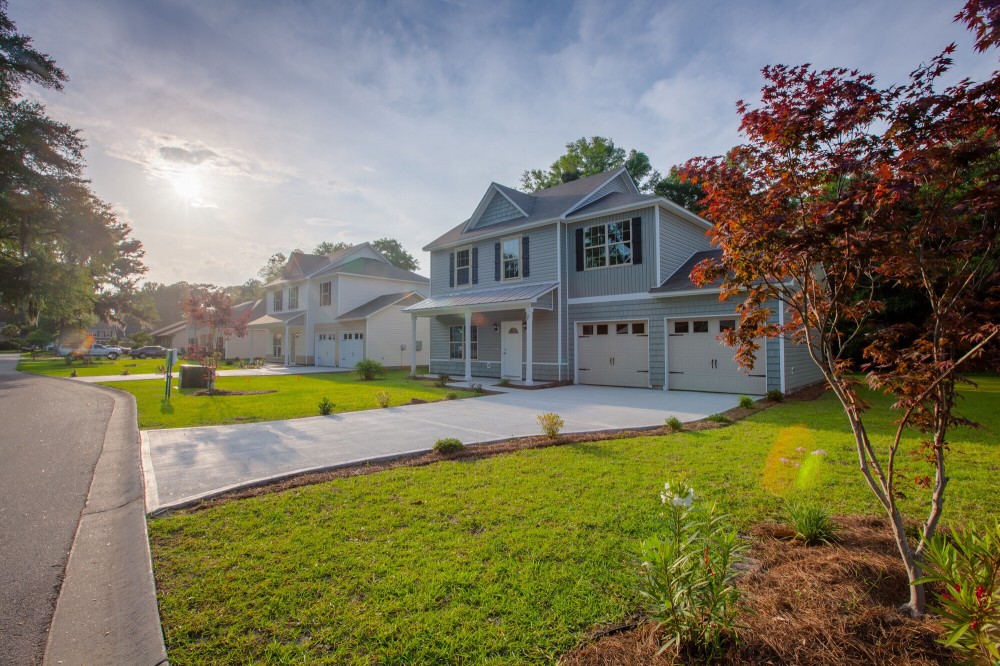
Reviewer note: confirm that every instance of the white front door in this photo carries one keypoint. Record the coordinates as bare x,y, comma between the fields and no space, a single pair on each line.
510,349
352,348
325,349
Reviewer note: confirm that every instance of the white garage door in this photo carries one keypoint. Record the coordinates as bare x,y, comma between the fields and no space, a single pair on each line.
352,349
326,344
698,361
614,353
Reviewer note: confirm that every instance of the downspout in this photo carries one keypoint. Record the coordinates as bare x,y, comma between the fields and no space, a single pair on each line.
559,338
781,346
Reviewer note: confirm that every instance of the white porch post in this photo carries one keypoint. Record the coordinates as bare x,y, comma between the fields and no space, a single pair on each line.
467,343
413,344
529,342
285,343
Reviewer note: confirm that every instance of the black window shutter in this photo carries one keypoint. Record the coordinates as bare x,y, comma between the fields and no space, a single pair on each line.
524,256
451,269
636,240
496,262
475,265
579,249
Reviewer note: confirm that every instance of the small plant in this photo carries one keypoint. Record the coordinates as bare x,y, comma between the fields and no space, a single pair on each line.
124,371
382,398
688,576
967,568
811,522
746,402
448,446
443,379
73,373
775,395
504,381
674,424
451,396
325,406
551,424
478,389
719,418
369,369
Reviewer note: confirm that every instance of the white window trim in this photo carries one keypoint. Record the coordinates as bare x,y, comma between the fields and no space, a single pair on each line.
296,290
329,293
468,249
607,246
520,260
278,299
473,344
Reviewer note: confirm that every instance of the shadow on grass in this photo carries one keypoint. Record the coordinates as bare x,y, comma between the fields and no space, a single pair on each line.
166,407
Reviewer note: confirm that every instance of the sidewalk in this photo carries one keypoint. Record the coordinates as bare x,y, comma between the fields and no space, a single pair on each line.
266,371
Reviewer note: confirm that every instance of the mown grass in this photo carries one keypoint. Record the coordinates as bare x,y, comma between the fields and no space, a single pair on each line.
505,560
296,396
56,366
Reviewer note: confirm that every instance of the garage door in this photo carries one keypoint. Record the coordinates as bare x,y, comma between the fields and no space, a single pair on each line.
352,349
326,344
698,361
614,353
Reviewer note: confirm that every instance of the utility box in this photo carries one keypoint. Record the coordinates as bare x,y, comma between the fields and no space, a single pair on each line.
192,376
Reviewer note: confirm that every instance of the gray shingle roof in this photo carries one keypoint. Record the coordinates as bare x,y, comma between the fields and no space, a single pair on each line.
484,297
380,303
680,280
612,201
375,268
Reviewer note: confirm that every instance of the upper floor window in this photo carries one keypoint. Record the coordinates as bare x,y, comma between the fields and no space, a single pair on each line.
279,297
608,245
463,266
293,298
510,249
325,293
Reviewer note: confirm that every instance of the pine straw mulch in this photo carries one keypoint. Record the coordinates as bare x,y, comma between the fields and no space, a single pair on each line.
819,605
223,392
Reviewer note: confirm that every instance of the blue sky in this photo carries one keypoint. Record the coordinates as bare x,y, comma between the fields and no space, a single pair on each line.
227,130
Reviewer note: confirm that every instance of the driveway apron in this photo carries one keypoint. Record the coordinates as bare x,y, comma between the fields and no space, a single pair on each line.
185,464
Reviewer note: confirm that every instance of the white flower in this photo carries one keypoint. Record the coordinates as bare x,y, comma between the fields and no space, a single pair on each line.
687,500
819,452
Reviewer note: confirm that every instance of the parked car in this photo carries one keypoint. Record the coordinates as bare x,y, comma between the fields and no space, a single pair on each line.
151,351
97,349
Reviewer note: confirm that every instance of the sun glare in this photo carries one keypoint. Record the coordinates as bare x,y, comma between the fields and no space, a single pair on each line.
186,184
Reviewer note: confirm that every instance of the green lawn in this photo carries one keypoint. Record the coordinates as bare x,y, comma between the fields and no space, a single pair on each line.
296,396
506,560
97,367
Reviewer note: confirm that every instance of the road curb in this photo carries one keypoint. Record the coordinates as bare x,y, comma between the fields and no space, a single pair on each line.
106,612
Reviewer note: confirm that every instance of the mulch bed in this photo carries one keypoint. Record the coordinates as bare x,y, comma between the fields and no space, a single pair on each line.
223,392
819,605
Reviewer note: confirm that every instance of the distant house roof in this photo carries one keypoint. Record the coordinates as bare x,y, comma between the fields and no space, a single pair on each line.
680,280
283,318
170,329
518,294
301,265
375,268
380,303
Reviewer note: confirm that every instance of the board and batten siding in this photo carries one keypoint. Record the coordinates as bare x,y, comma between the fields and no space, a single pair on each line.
541,261
612,280
500,209
679,239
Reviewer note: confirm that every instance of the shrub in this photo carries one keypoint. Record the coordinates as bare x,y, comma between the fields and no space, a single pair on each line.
746,402
687,576
675,424
443,379
504,381
811,522
369,369
967,569
325,406
478,389
448,446
719,418
382,398
551,424
775,395
124,371
451,396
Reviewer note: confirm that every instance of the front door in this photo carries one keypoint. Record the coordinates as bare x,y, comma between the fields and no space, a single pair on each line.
510,352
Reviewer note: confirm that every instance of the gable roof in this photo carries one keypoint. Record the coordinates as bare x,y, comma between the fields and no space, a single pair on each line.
680,279
373,268
301,265
380,303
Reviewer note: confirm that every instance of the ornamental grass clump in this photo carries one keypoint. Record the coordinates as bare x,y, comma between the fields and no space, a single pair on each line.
551,424
674,424
811,523
448,446
369,369
688,574
746,402
965,569
325,406
382,398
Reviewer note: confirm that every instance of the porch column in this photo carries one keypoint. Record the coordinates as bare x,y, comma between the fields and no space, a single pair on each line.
413,344
467,343
529,342
285,343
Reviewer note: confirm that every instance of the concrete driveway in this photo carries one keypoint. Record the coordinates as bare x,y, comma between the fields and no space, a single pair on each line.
184,464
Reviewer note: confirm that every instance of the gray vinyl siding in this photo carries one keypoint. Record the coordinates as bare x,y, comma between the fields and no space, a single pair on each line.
541,262
613,280
679,239
800,370
616,185
500,209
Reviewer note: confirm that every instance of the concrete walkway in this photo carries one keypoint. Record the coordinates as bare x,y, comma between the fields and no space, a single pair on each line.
185,464
266,371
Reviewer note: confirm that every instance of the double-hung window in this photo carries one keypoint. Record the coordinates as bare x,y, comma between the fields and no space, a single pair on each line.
293,298
510,254
463,266
608,244
456,342
279,296
324,293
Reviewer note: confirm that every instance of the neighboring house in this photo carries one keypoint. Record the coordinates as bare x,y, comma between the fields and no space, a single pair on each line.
336,309
255,344
588,281
103,332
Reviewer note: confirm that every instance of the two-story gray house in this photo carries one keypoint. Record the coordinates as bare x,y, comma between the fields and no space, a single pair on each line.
588,281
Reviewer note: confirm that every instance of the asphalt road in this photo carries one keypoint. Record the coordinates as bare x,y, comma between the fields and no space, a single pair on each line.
51,435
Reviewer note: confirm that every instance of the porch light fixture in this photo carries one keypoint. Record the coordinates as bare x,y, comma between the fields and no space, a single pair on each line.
496,327
524,324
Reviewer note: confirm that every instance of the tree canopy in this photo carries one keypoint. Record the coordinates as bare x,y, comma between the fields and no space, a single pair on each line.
588,157
63,251
844,193
685,193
